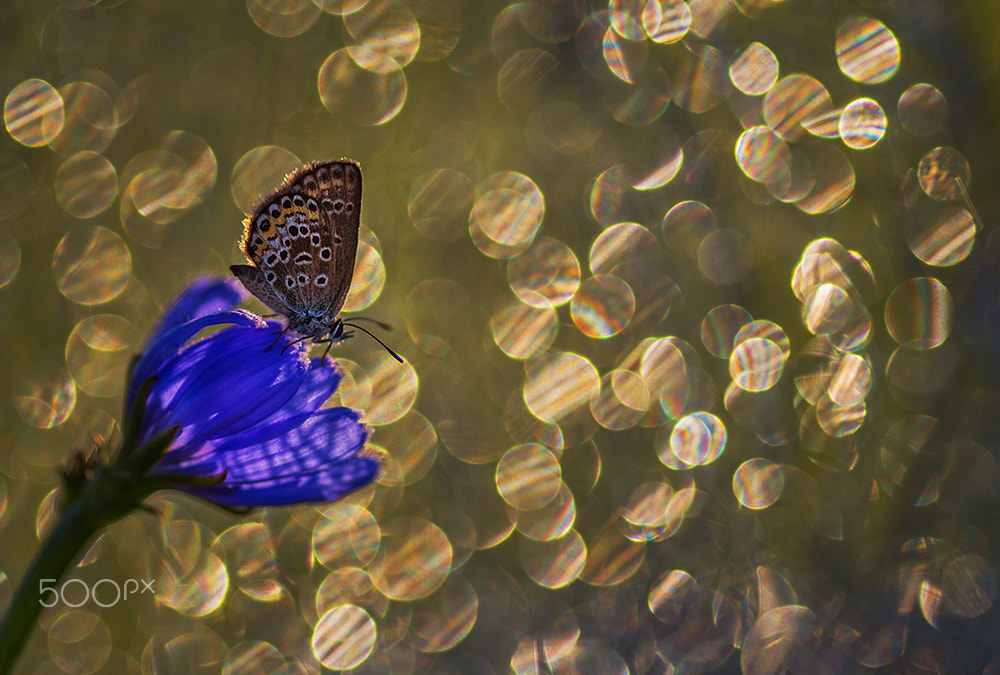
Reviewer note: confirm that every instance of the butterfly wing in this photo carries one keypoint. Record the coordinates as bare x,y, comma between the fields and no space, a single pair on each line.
254,281
267,244
331,246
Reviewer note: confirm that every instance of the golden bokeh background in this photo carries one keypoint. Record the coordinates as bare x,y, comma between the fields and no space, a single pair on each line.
698,302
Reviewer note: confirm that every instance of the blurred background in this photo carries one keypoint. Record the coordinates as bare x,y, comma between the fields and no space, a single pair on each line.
698,302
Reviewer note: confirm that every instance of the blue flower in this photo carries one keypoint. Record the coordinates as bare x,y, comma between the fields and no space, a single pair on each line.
249,427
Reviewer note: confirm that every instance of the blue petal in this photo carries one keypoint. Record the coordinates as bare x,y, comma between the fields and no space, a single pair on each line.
202,297
166,346
329,436
226,383
323,486
316,462
318,385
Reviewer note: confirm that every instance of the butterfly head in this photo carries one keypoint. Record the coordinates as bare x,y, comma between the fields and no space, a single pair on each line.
319,328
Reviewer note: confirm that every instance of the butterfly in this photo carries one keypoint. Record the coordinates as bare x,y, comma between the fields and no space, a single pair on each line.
301,241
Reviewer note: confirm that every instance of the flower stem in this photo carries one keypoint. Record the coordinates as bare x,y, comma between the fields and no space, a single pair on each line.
100,502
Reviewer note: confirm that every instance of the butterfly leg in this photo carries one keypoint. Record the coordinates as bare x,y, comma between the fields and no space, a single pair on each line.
330,342
280,333
294,342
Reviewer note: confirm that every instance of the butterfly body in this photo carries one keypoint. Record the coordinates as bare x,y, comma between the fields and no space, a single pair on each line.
301,241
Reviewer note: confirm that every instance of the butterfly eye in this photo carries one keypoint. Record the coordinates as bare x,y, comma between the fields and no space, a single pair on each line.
298,201
325,253
311,205
320,281
289,282
338,206
328,206
286,203
274,210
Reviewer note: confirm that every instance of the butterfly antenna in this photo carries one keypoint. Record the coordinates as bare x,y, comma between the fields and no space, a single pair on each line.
322,359
381,324
372,335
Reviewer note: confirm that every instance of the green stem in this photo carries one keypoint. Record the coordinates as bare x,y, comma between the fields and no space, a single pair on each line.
100,502
93,503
